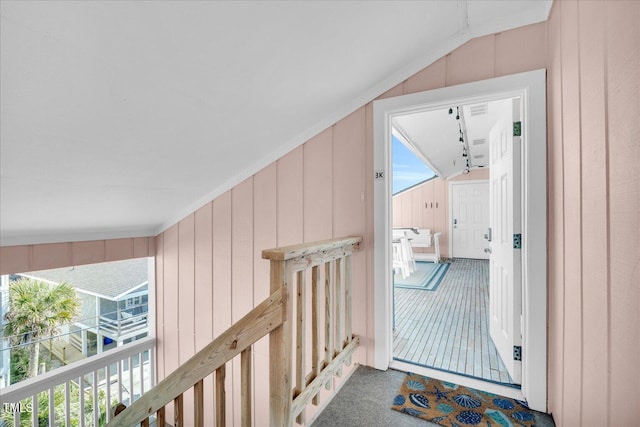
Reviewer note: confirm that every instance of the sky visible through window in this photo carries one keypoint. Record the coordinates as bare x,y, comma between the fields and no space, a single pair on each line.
408,170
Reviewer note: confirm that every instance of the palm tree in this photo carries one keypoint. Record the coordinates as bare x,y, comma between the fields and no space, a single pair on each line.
36,311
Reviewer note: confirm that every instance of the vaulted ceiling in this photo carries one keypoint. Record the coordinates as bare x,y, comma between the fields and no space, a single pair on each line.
119,118
434,135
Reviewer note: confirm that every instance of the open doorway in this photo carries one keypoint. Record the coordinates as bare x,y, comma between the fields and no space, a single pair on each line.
529,88
442,296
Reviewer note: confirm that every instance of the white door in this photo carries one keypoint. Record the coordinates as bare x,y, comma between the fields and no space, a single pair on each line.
470,219
505,303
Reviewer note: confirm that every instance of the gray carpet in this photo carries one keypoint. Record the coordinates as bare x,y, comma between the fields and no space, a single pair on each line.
366,398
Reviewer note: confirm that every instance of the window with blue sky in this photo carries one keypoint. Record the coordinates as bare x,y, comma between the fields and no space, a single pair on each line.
408,169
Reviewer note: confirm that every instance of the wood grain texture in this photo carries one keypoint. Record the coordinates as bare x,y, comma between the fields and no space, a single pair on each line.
178,411
246,402
198,404
448,328
266,317
280,342
221,396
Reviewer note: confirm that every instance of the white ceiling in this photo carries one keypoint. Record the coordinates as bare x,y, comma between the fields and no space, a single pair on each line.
434,135
120,118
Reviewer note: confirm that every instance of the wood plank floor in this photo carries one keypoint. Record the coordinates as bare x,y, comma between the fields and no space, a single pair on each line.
449,328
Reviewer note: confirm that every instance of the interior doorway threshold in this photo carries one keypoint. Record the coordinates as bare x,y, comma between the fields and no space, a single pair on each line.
479,384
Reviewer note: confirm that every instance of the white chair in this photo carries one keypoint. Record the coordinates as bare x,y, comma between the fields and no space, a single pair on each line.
434,257
400,265
420,238
402,253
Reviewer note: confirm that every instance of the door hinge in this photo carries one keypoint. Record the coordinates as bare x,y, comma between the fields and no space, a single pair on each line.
517,352
517,241
517,128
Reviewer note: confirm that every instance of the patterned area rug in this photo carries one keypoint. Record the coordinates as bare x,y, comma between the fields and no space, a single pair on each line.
427,276
453,405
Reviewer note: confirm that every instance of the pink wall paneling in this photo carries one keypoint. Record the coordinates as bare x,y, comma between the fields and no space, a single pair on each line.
265,236
207,269
594,211
555,209
622,91
18,259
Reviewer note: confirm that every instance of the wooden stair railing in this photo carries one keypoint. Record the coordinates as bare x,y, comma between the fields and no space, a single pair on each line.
330,259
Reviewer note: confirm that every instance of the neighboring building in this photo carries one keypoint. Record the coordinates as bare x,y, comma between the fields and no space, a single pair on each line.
115,302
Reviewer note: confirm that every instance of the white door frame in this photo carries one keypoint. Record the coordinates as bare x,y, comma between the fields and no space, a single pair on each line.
450,216
531,87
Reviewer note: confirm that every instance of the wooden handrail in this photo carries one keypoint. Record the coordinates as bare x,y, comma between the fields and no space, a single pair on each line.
285,253
274,316
257,323
288,265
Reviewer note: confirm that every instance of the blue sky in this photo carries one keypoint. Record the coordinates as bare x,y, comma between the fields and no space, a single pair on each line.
408,170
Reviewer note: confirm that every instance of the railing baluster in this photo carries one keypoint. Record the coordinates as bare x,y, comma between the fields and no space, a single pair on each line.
245,388
67,403
34,413
337,339
120,366
300,338
152,367
347,301
221,416
141,366
198,403
107,373
160,418
328,308
81,398
96,403
178,411
130,380
315,326
34,418
280,342
145,423
52,407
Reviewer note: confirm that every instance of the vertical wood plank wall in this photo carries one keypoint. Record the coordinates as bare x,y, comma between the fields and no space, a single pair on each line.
209,271
300,198
18,259
409,209
593,78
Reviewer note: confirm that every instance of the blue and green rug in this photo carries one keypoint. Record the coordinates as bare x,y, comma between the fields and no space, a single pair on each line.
427,276
453,405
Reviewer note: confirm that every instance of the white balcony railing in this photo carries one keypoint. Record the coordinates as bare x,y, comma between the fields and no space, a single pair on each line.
126,324
85,390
